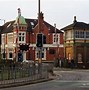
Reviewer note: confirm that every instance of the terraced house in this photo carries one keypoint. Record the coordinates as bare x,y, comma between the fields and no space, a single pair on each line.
19,37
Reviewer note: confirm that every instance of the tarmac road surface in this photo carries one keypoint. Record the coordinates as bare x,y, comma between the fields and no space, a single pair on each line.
54,85
64,80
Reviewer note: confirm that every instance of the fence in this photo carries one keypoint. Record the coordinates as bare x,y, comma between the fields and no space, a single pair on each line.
22,72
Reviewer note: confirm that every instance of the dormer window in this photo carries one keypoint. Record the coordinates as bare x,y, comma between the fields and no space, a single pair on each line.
32,23
9,25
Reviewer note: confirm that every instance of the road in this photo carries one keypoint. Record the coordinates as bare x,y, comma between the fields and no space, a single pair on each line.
64,80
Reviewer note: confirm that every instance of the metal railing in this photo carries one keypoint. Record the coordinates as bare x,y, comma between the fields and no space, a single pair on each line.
22,72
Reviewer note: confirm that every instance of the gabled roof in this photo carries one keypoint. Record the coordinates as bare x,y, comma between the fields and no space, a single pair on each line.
52,28
31,23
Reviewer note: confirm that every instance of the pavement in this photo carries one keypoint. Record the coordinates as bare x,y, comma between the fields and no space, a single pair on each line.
71,74
67,69
23,83
61,69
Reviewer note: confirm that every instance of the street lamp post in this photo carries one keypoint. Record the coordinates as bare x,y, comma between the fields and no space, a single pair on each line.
4,40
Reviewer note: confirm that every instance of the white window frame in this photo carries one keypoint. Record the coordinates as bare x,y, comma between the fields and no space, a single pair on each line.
9,53
22,41
10,37
14,37
3,38
79,34
87,35
56,38
43,51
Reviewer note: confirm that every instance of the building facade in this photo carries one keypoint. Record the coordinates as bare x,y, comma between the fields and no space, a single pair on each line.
76,43
19,38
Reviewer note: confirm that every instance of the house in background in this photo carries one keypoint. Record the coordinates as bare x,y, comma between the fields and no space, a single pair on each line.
76,43
19,37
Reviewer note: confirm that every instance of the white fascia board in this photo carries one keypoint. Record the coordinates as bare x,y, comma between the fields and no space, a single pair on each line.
48,45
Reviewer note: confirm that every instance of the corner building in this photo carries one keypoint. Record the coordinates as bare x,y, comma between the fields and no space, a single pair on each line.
76,43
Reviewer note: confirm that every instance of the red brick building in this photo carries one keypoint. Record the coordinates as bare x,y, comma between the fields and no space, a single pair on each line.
23,32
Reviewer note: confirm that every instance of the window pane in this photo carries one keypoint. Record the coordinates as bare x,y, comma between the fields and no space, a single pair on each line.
19,27
4,55
20,34
42,55
87,34
79,34
22,38
10,55
19,38
37,55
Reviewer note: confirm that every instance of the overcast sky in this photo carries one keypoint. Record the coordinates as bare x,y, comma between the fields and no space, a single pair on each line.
60,12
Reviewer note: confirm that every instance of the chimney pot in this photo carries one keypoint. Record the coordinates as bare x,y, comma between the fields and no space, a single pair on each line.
75,19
